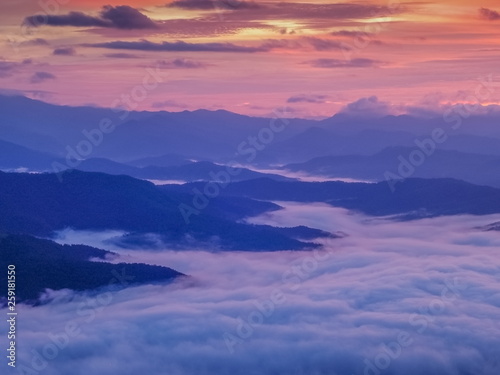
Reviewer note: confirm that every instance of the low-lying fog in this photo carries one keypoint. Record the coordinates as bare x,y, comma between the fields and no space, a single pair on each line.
303,176
419,297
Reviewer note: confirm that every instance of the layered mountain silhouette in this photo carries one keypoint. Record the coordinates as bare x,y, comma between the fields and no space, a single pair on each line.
474,168
126,148
191,171
40,204
411,198
224,136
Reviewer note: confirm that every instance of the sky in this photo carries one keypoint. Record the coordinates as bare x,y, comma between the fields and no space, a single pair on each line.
252,57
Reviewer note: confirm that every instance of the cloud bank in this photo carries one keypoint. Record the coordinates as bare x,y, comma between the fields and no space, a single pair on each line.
178,46
416,298
39,77
119,17
338,63
307,98
489,14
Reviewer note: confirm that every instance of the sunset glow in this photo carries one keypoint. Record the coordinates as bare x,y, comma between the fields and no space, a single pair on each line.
402,53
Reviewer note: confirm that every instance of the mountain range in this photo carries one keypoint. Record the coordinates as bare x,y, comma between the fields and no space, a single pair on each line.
86,169
411,198
40,205
224,136
478,169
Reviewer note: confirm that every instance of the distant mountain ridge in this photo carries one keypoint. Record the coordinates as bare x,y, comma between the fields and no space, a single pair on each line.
412,198
13,156
189,171
474,168
219,135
